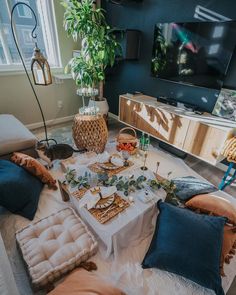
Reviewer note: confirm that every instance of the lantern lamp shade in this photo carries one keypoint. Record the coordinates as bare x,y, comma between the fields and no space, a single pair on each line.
40,68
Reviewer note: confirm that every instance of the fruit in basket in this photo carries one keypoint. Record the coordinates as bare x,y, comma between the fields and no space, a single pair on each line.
127,142
126,147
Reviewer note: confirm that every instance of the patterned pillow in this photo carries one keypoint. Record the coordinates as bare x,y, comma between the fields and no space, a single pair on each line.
35,168
189,186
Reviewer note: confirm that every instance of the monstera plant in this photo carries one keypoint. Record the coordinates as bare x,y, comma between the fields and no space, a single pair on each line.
99,47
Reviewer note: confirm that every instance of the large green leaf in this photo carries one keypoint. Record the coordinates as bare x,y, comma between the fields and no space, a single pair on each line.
99,46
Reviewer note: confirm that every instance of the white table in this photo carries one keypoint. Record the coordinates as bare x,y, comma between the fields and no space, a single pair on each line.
128,227
135,222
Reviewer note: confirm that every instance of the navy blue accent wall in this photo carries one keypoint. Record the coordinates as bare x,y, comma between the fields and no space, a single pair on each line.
129,76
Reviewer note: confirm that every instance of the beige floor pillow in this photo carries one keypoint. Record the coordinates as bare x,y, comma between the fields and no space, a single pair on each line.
54,246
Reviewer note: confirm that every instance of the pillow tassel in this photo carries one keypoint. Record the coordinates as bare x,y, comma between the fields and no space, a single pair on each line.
222,273
228,258
232,251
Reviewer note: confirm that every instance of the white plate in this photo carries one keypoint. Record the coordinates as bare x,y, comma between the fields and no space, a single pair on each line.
105,202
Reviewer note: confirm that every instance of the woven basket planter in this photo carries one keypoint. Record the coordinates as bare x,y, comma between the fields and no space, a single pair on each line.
90,133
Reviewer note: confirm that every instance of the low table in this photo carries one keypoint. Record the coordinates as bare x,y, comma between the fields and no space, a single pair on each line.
134,223
124,230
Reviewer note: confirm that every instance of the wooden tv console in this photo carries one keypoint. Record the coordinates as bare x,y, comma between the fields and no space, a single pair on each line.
202,136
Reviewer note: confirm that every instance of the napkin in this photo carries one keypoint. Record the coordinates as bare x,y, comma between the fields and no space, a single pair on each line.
103,158
90,200
117,161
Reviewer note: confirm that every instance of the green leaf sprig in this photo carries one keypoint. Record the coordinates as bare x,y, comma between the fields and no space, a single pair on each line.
74,181
124,183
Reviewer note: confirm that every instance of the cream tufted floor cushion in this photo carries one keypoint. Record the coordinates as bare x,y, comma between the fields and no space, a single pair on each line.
55,245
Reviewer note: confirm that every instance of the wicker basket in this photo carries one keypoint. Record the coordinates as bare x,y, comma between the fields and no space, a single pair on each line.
90,133
126,138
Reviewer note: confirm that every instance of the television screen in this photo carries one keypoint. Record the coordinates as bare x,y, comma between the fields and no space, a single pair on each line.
193,53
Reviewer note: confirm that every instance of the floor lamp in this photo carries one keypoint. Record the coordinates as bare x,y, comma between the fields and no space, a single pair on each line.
39,67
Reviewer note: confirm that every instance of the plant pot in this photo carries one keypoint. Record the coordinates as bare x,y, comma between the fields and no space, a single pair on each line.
101,104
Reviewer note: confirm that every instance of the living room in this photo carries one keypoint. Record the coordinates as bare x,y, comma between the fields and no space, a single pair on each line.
117,147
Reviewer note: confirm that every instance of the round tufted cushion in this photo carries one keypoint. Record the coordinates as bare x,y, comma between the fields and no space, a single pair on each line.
55,245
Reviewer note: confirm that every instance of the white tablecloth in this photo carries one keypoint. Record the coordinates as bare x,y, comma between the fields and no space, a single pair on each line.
134,223
124,230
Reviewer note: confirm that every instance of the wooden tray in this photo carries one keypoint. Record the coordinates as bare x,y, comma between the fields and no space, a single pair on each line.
79,193
95,167
118,206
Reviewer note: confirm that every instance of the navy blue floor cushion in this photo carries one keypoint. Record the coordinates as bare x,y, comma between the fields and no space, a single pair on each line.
189,186
187,244
19,190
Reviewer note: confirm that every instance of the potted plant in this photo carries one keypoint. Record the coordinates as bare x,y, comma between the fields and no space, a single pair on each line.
98,49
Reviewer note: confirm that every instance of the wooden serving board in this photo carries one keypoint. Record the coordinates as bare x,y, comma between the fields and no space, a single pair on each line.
95,167
79,193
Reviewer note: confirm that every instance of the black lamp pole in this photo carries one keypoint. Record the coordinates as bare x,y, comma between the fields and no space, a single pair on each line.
34,36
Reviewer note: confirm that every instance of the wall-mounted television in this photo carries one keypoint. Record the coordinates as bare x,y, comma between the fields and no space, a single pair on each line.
193,53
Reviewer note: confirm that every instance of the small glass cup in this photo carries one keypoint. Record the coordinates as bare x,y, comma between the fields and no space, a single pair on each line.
93,180
126,155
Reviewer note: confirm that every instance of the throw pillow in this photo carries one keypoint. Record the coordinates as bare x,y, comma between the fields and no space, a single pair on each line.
187,244
189,186
213,205
218,206
35,168
81,282
229,246
19,190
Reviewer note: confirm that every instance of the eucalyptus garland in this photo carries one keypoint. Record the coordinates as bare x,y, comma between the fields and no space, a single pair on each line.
124,183
74,181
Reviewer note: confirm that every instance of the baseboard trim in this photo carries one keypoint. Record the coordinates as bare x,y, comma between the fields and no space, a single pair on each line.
50,122
113,116
60,120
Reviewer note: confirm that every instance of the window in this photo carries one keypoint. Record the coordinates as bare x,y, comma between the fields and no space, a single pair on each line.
27,39
24,23
23,11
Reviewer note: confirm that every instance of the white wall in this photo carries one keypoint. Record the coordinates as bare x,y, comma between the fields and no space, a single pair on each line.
16,96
